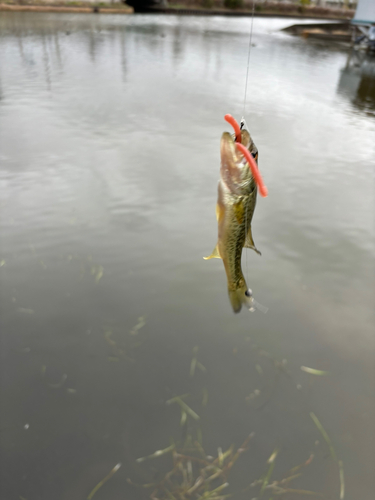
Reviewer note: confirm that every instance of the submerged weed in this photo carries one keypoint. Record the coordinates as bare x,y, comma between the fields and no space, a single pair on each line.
194,474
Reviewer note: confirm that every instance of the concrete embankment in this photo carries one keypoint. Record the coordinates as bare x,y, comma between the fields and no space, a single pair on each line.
85,9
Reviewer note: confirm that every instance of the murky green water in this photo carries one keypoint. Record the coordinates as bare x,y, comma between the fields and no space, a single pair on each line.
109,144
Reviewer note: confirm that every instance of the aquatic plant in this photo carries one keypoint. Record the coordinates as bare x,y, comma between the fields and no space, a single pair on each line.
194,474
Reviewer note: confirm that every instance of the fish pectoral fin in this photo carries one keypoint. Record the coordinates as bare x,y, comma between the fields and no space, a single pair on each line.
249,243
215,254
220,212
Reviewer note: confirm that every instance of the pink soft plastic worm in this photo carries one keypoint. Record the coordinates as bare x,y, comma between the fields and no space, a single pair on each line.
254,169
237,130
250,160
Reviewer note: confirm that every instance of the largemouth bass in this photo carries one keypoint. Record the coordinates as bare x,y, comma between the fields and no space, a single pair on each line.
237,194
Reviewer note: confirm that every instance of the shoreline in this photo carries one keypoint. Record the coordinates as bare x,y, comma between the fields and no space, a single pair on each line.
99,8
201,11
241,13
65,9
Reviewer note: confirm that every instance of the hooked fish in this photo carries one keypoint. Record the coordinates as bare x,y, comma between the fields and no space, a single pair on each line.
237,194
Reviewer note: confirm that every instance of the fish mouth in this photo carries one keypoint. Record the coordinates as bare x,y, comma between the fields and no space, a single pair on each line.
233,161
228,151
230,161
242,296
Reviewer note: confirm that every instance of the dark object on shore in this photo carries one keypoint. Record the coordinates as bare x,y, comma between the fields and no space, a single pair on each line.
145,5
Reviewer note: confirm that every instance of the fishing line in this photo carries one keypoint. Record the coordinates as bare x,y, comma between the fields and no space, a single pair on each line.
243,123
248,60
252,164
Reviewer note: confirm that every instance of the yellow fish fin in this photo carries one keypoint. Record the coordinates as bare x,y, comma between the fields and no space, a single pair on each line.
249,243
215,254
220,211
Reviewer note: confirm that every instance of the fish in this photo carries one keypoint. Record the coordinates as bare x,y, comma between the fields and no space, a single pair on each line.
237,196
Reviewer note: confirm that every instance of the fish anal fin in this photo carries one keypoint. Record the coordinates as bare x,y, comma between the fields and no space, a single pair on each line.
249,243
215,254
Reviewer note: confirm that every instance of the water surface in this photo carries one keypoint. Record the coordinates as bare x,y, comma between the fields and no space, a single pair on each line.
109,151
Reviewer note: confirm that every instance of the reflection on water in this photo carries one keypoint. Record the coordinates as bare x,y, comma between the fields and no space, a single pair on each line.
116,335
357,81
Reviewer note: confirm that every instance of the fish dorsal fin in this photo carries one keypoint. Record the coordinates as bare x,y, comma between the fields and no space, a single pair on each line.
249,243
215,254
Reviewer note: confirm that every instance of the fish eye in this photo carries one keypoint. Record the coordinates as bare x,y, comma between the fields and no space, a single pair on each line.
255,155
248,293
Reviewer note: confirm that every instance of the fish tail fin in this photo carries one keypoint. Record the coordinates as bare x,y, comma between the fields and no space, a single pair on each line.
215,254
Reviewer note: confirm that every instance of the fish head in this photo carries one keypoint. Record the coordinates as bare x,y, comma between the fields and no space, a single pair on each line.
234,170
241,296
